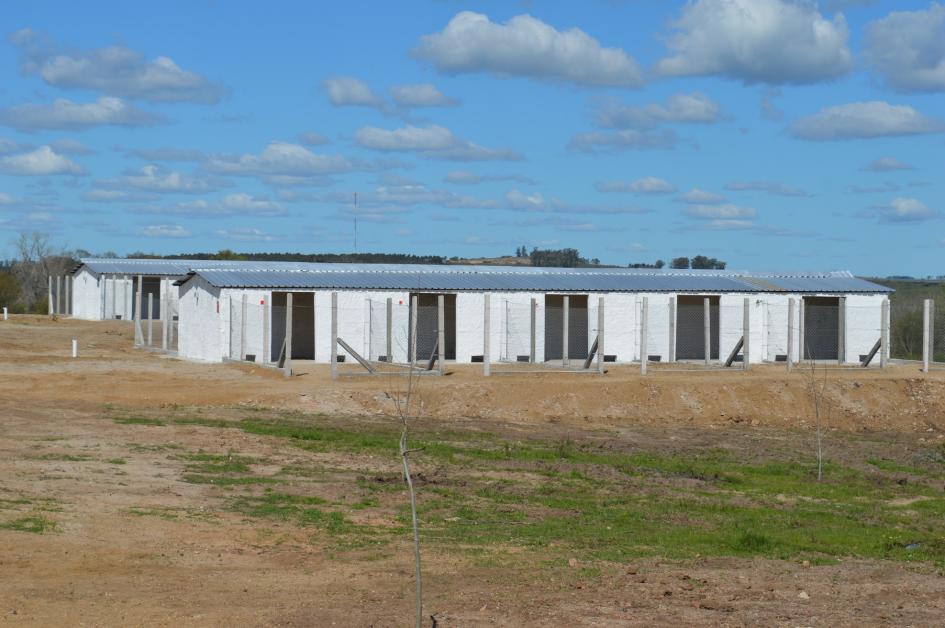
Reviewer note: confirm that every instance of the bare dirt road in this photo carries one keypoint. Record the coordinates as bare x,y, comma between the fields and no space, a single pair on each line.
104,519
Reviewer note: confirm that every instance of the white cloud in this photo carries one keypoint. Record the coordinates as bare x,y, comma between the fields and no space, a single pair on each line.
463,177
757,41
526,47
864,120
906,210
244,234
727,211
65,114
679,108
768,187
728,225
310,138
6,199
238,204
166,154
347,91
409,194
536,202
646,185
40,162
68,146
9,146
153,178
696,196
421,95
886,164
114,70
280,159
430,141
116,196
627,139
165,231
907,49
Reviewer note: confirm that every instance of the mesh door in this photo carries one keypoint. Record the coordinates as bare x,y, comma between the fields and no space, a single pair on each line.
427,325
821,328
690,328
554,326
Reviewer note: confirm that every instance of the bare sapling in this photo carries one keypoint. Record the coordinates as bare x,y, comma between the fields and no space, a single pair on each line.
820,406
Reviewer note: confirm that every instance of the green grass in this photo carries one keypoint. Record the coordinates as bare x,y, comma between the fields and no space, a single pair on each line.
64,457
139,420
116,461
302,510
34,524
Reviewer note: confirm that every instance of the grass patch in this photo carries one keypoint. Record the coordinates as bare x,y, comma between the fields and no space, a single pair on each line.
34,524
299,509
116,461
64,457
139,420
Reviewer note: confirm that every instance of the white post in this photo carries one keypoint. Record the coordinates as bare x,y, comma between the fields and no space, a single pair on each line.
441,332
600,335
5,313
333,358
165,313
566,323
790,334
801,331
267,342
534,321
50,310
932,330
243,307
390,330
114,297
414,314
746,333
672,330
487,335
68,301
884,335
75,348
926,333
139,336
287,371
707,328
842,332
644,358
150,318
58,294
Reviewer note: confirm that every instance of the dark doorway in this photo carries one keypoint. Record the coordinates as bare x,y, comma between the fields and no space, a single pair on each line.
427,328
690,327
303,325
554,326
821,328
149,285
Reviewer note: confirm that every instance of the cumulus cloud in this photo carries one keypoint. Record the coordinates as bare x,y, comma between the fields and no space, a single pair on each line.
864,120
347,91
536,202
310,138
696,196
679,108
726,211
757,41
165,231
421,95
430,141
244,234
154,178
114,70
165,154
768,187
886,164
526,47
906,210
646,185
116,196
281,162
907,49
65,114
410,194
627,139
39,162
238,204
68,146
464,177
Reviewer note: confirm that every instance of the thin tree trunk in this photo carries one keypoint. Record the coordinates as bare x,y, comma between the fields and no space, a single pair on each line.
416,528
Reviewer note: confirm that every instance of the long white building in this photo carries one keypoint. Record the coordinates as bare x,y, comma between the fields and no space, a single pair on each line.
238,311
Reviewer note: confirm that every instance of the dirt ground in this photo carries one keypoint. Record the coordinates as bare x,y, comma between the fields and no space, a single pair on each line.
106,564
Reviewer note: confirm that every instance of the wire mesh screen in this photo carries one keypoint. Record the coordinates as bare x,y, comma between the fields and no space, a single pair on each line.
690,328
905,329
937,351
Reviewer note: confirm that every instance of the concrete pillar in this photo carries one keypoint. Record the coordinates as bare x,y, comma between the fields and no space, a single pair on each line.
114,297
926,333
150,319
534,324
139,336
565,341
287,370
842,332
801,349
600,335
644,357
165,314
75,348
390,330
333,358
746,334
707,322
50,308
243,308
672,330
487,335
441,333
790,334
414,313
267,341
58,294
884,335
68,301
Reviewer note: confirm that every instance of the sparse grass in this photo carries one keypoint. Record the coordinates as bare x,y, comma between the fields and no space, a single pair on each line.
116,461
139,420
299,509
34,524
64,457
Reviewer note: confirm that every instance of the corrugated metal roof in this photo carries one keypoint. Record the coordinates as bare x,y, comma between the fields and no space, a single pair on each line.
529,279
175,267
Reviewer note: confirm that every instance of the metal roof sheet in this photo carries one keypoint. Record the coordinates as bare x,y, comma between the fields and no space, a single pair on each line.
175,267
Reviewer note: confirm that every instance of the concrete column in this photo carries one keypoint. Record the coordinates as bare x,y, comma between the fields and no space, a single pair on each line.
287,371
267,341
644,357
333,358
75,348
139,336
707,322
801,349
58,294
790,334
414,313
746,334
150,319
50,308
926,333
565,341
672,330
532,337
441,332
115,297
600,335
884,335
390,330
842,332
243,308
165,314
487,335
68,300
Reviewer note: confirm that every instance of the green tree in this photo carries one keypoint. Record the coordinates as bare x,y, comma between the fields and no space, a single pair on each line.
679,262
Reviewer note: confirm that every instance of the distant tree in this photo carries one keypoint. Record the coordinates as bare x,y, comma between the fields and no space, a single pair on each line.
679,262
703,262
563,258
9,289
37,261
659,263
227,254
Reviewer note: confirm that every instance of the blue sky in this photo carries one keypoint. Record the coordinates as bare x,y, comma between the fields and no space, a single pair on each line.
774,134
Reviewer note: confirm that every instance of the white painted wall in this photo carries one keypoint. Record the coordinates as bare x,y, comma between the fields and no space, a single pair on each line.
86,296
201,326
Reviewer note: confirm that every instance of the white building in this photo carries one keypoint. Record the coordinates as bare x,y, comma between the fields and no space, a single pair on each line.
239,312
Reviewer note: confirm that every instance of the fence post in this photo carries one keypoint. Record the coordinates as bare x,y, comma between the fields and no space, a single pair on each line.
441,332
50,308
644,358
150,318
333,358
58,294
746,334
165,314
884,334
707,328
565,361
790,334
534,321
414,314
243,306
390,330
267,342
600,335
801,331
672,330
139,335
842,332
68,309
487,335
926,333
287,372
